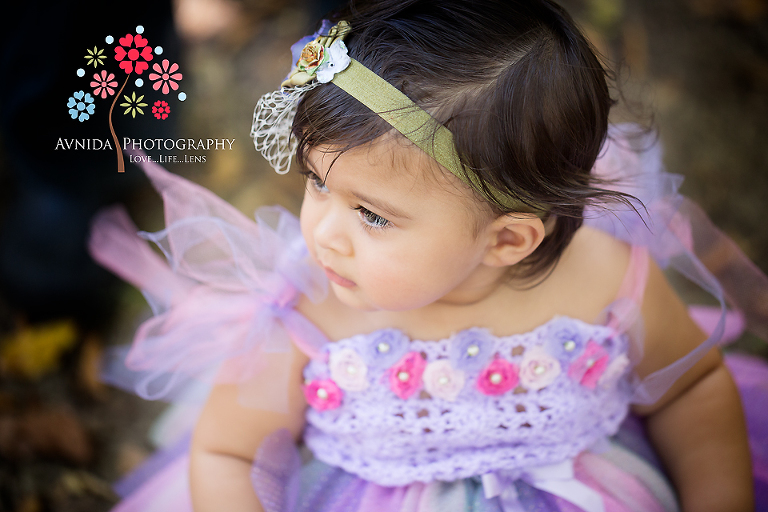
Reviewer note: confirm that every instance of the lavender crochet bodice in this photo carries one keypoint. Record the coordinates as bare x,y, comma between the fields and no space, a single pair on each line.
395,411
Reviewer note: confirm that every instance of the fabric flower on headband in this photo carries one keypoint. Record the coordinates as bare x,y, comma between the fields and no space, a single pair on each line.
337,61
321,62
312,56
321,58
317,59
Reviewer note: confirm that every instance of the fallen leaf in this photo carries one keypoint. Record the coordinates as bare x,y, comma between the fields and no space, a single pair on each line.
33,351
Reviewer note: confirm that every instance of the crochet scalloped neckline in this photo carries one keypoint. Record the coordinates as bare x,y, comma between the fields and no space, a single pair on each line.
509,337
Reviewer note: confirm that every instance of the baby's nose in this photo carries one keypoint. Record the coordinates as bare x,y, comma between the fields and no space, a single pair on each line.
332,231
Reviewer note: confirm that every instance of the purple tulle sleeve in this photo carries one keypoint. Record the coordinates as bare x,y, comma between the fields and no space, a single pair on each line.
223,301
679,236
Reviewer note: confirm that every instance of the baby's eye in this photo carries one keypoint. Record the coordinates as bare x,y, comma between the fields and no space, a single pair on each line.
372,220
317,183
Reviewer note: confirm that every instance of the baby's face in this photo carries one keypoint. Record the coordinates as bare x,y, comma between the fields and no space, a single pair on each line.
391,232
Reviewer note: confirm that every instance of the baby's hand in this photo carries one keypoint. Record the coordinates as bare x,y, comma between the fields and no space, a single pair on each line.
229,433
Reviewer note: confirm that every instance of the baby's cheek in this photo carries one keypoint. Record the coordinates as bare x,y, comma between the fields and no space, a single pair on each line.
381,282
307,223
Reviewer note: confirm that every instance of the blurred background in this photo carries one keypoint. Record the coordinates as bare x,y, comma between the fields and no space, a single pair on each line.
696,69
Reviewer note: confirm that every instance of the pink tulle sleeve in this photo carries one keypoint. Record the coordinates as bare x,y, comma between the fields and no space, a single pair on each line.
224,299
681,237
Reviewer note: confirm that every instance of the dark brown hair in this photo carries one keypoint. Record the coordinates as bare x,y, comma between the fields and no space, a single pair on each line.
520,87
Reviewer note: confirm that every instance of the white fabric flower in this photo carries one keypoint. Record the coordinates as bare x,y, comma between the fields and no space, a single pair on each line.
348,370
338,60
538,369
441,380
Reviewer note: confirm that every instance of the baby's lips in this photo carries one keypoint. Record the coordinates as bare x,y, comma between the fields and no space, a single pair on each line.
336,278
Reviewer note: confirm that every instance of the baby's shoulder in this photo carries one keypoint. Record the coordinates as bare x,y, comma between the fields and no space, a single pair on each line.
594,256
589,275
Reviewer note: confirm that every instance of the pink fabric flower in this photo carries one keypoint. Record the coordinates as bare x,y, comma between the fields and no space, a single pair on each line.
405,377
590,365
165,76
134,48
614,371
348,370
323,395
538,369
103,84
441,380
498,377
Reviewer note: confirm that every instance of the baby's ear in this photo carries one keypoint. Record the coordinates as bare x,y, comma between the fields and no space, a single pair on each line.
512,237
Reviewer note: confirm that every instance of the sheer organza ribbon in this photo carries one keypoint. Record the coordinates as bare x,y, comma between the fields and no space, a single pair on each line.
224,301
557,479
679,236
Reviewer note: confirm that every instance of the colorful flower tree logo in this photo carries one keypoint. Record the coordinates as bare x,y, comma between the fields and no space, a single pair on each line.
95,57
136,50
133,55
134,104
81,106
103,84
161,109
165,76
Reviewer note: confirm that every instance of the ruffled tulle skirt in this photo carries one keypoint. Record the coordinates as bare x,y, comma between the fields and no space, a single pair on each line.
626,473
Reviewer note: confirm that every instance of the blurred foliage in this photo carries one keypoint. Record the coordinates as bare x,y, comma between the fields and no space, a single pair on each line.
33,351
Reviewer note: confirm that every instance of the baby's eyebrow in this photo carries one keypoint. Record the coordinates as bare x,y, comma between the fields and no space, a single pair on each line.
381,205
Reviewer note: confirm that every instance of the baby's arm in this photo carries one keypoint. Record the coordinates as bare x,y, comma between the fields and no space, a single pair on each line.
698,426
228,434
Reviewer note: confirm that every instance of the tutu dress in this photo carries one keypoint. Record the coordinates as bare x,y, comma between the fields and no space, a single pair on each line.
477,422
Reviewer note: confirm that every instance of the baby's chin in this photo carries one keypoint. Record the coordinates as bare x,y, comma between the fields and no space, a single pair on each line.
352,298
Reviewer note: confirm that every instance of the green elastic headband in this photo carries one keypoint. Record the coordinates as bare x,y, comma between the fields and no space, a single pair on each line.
415,123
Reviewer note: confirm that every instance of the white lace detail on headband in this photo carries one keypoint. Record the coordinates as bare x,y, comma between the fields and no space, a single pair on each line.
272,122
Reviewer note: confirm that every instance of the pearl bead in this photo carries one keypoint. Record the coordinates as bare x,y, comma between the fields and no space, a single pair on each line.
351,370
569,346
322,394
473,350
495,378
403,376
383,347
443,380
539,369
590,363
